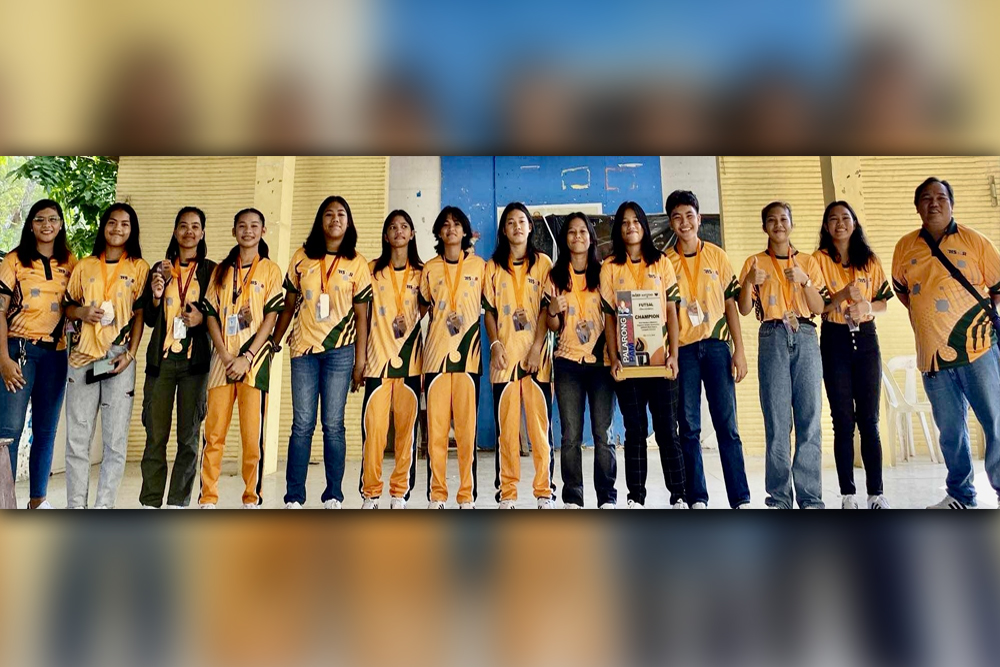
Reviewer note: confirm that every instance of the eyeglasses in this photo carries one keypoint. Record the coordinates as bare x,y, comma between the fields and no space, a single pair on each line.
52,221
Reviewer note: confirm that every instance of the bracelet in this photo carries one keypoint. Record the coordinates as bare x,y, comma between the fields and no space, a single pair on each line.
251,356
496,342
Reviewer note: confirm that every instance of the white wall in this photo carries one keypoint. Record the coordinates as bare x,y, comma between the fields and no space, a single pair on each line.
697,173
415,186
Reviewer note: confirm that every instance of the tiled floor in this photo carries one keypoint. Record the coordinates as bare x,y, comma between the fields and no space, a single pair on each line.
910,486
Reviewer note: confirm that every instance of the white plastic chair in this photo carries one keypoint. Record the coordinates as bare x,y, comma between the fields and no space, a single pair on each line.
903,404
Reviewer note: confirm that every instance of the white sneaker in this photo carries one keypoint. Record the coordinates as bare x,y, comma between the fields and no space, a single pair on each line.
435,505
176,507
370,504
250,506
632,505
397,504
571,506
679,505
507,505
950,503
609,506
546,504
148,507
102,507
699,506
46,505
333,505
878,503
207,506
744,506
293,506
849,503
467,506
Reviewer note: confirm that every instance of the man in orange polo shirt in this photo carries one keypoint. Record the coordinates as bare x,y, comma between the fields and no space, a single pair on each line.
956,338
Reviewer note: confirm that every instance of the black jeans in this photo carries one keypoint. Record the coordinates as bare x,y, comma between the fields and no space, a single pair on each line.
660,396
852,372
576,386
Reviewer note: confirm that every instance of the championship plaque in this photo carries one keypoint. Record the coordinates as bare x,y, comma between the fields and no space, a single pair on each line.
640,335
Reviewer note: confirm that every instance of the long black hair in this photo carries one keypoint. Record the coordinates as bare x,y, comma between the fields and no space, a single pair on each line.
501,256
234,254
561,270
132,247
459,216
650,254
174,248
859,253
27,249
315,244
385,259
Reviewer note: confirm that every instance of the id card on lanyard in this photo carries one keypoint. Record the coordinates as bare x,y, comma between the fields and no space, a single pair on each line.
790,318
242,318
180,329
323,303
694,310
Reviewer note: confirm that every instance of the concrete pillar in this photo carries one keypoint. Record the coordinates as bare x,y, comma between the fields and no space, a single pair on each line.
273,191
842,181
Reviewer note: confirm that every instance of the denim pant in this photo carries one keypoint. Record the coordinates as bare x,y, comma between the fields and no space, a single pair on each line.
660,396
791,384
951,392
324,379
44,374
157,417
576,386
852,372
710,362
113,397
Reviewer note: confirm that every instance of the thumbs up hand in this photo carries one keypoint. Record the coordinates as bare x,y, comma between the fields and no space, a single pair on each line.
755,276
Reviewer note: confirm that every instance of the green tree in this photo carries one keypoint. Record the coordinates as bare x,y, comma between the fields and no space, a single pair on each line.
16,197
84,185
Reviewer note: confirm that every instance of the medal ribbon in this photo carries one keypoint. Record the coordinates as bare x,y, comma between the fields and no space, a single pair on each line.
182,291
636,269
104,275
787,290
694,281
453,285
396,289
241,294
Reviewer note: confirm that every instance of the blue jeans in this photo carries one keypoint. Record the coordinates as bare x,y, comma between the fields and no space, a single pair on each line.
325,379
45,386
710,362
951,392
791,389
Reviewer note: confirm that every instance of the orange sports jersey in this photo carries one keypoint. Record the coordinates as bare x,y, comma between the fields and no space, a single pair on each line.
505,294
454,340
581,338
346,281
950,327
707,279
871,281
36,292
261,293
395,346
776,296
126,282
172,306
629,276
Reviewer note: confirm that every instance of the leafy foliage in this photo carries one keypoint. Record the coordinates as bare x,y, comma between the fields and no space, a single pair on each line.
16,197
83,184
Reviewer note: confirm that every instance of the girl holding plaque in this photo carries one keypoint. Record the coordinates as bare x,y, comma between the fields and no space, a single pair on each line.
582,365
177,362
786,289
521,357
451,288
243,302
637,265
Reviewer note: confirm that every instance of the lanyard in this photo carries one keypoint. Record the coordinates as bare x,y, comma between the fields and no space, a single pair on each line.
241,294
396,289
637,276
182,291
787,290
694,281
104,274
454,285
579,289
325,274
519,275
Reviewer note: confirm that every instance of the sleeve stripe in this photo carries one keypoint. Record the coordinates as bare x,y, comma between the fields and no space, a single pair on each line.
899,287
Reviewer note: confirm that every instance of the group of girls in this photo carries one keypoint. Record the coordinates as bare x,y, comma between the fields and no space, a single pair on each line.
353,324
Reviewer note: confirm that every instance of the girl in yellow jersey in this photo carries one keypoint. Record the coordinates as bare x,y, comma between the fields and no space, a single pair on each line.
177,361
33,280
104,302
582,372
329,289
394,363
852,362
521,358
243,302
452,288
636,264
